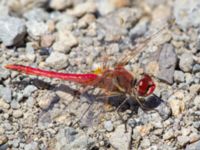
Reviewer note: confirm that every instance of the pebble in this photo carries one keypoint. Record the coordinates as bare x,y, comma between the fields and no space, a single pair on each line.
83,8
193,146
47,40
3,139
120,142
12,30
6,94
29,90
36,29
187,13
183,140
57,60
60,4
47,99
194,137
177,106
15,104
32,15
145,143
196,68
65,40
106,6
186,62
114,25
68,138
17,114
31,146
4,105
167,63
197,101
108,126
179,76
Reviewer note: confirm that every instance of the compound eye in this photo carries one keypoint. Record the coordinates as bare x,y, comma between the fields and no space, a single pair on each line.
146,86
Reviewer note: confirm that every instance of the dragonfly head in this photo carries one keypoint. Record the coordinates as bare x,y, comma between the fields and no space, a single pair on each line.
145,86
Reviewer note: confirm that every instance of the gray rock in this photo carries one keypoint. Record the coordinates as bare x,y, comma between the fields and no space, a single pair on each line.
193,146
57,60
120,142
167,63
68,139
179,76
183,140
145,143
168,134
186,62
15,143
187,13
111,25
29,90
12,30
36,29
31,146
14,104
6,94
108,126
196,68
36,14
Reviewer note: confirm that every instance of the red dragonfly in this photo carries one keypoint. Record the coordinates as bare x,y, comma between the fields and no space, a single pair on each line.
117,80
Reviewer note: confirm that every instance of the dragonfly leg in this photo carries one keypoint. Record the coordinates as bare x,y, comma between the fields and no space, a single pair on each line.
117,110
82,115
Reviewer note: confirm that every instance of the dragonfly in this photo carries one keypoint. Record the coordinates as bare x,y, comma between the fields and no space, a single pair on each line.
112,80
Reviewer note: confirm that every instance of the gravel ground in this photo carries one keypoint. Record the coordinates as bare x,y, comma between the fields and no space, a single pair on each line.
77,35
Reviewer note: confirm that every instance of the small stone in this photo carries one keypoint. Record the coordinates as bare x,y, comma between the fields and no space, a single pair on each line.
60,4
29,90
14,104
12,30
45,100
105,6
2,131
5,94
183,140
65,41
179,76
30,102
197,101
120,142
36,29
3,139
196,68
186,62
108,126
177,106
194,137
17,113
47,40
187,13
83,8
145,143
167,63
4,105
57,60
33,15
193,146
31,146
